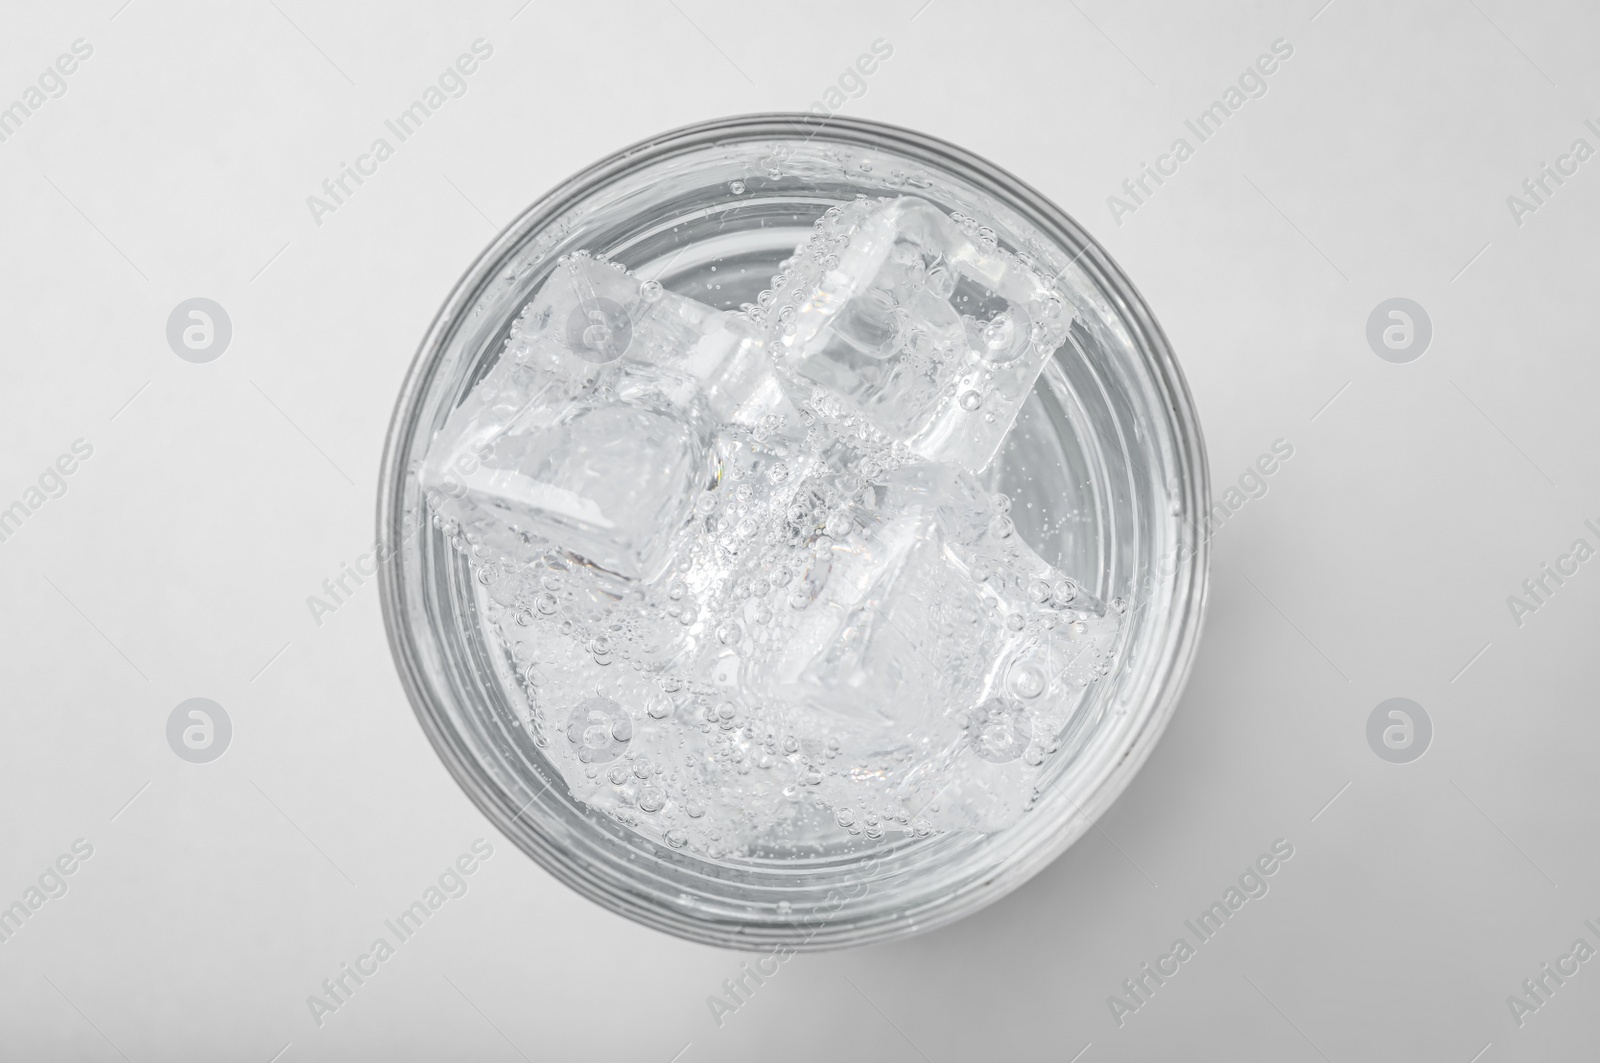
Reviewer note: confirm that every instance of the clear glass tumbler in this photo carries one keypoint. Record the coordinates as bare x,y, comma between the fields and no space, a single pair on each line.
1105,468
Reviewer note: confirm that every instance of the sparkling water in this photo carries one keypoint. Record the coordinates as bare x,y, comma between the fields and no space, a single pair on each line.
745,561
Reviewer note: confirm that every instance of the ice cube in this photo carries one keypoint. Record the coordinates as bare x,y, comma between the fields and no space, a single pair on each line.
1066,635
594,432
976,783
870,632
598,312
609,475
924,605
932,331
725,357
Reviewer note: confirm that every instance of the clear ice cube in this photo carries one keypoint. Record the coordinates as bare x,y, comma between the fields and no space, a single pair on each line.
594,432
609,476
1062,635
922,603
725,358
598,312
932,331
877,630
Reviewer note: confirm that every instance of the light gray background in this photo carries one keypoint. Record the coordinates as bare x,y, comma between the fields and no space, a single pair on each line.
221,495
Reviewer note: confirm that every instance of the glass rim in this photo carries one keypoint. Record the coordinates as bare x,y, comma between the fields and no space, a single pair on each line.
1180,638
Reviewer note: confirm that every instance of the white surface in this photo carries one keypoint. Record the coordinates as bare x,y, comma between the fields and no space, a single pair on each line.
179,561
